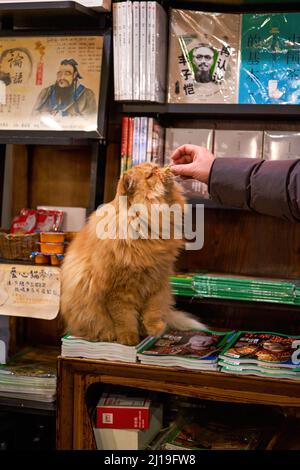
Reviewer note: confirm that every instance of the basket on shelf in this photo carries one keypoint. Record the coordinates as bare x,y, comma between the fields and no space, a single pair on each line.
17,247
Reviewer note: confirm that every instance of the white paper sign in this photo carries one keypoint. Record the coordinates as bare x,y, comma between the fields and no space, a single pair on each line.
29,291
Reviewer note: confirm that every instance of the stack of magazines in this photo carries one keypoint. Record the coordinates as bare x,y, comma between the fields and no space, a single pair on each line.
74,346
182,284
30,375
187,349
244,288
262,354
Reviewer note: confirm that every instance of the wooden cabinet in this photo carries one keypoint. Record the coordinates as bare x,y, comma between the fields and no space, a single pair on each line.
75,376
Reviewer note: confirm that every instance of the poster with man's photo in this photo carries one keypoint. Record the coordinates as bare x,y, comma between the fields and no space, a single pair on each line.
50,82
203,57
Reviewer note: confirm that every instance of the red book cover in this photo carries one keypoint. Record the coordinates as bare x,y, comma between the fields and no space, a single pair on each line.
124,143
123,412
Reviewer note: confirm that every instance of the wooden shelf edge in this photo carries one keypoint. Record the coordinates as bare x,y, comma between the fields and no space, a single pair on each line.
47,8
215,386
214,110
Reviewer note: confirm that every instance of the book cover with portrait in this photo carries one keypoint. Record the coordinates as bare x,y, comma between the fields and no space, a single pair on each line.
50,82
203,57
270,53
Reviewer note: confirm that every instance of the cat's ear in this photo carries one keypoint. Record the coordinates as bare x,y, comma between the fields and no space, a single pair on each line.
127,184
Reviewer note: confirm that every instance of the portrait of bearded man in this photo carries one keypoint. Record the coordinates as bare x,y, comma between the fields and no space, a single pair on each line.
66,96
203,60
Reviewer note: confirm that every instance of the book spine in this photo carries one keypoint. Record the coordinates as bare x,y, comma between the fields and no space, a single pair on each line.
123,49
136,141
120,50
130,143
148,50
122,418
136,50
152,48
143,140
116,50
149,139
169,146
129,81
124,144
158,142
143,47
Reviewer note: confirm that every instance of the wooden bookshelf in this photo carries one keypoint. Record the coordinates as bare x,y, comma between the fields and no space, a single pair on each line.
75,376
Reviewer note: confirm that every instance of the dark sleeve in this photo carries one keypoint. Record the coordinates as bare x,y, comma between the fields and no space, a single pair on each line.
268,187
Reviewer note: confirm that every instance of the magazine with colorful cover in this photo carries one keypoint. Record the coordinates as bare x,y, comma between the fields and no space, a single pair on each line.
32,364
264,348
186,347
203,57
270,67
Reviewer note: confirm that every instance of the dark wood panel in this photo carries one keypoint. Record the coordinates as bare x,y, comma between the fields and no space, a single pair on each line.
20,179
241,242
38,331
60,176
112,171
2,168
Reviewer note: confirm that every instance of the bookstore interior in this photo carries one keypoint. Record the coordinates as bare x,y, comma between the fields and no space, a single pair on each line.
160,139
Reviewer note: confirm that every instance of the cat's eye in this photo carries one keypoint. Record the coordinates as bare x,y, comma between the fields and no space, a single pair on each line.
149,175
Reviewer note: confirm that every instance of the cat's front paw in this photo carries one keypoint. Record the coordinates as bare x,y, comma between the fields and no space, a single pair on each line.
155,328
130,338
107,336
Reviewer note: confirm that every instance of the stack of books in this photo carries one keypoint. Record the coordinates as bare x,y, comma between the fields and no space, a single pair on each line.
182,285
262,354
142,140
126,421
30,375
224,286
140,50
74,346
186,349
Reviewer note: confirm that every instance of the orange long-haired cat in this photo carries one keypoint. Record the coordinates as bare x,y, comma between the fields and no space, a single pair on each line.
117,288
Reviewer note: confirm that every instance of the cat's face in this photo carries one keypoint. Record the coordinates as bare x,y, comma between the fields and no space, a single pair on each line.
148,183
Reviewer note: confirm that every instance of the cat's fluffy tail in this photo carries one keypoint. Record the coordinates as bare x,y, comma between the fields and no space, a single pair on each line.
183,321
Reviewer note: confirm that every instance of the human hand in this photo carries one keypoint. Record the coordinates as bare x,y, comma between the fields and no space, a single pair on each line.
192,161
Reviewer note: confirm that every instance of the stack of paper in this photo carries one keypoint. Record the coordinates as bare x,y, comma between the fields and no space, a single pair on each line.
73,346
262,354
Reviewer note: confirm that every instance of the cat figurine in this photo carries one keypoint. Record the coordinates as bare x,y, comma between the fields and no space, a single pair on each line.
116,287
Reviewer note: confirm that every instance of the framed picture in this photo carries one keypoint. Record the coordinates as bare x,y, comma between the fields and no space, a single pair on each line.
54,83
